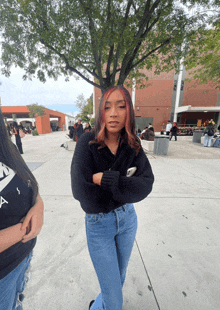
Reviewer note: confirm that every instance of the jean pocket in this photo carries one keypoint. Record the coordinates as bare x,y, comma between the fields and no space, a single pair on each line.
92,219
130,207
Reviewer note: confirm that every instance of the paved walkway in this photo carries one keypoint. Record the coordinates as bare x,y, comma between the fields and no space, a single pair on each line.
175,260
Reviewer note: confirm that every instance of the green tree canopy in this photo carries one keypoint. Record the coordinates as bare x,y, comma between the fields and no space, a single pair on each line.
106,42
86,107
204,56
36,110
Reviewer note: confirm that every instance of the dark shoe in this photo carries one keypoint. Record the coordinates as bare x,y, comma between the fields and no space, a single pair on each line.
91,303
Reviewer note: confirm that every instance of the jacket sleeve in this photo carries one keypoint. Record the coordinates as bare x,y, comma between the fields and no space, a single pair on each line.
83,188
130,189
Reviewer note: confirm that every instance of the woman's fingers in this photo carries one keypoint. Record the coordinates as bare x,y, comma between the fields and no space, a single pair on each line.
26,221
33,230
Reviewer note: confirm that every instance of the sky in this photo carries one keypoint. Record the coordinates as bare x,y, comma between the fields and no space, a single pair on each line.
55,95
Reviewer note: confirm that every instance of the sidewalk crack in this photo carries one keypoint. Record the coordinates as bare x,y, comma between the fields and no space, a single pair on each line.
155,297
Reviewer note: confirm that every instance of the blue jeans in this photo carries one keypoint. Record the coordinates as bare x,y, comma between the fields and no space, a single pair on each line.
12,286
207,140
110,239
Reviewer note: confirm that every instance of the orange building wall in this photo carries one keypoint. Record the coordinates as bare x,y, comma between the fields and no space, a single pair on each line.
203,95
42,122
155,101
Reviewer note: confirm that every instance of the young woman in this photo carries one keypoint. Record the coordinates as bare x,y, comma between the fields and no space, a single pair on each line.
8,129
209,132
17,137
110,172
87,128
21,219
174,131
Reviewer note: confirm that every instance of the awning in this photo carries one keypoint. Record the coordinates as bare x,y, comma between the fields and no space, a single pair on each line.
189,108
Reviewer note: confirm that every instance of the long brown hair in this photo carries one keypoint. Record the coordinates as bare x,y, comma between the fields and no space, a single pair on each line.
12,158
128,132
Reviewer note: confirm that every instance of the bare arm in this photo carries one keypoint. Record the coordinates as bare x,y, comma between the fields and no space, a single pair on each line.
11,235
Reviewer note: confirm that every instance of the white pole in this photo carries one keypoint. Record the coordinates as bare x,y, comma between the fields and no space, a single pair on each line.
133,91
93,101
178,88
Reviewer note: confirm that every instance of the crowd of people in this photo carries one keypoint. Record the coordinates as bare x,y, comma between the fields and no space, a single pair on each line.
172,130
77,130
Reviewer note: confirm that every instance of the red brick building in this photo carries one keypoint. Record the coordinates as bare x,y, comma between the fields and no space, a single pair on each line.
43,123
156,103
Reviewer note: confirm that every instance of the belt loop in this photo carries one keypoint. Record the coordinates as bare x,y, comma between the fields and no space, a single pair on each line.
124,207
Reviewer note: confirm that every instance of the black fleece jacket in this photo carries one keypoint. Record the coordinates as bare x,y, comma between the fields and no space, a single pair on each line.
116,189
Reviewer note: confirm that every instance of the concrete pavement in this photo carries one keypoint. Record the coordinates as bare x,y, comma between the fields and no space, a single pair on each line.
175,260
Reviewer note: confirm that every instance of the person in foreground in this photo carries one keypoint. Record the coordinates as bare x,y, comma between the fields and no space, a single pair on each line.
109,173
21,219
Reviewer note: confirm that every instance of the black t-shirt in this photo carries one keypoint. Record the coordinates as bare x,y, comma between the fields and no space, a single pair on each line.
15,202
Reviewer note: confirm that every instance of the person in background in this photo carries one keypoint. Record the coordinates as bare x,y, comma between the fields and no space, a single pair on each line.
8,129
71,130
209,134
151,126
21,219
168,127
87,128
174,131
16,132
78,129
149,134
109,173
139,132
143,133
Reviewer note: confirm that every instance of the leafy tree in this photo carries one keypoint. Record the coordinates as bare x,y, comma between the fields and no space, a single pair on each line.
85,107
36,110
204,56
106,42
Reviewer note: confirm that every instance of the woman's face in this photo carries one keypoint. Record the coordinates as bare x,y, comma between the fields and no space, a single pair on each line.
115,112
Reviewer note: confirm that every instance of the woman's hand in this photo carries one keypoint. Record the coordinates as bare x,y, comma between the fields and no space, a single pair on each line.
33,221
97,178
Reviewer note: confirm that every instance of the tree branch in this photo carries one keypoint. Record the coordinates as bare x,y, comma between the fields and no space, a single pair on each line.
94,42
68,67
141,40
146,17
89,71
109,11
167,41
110,56
141,34
121,36
135,10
